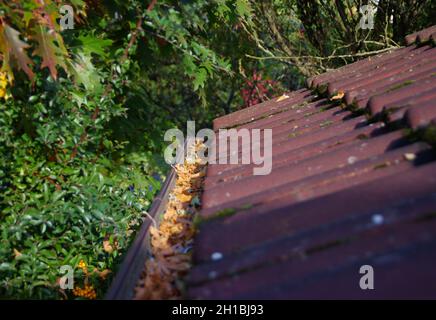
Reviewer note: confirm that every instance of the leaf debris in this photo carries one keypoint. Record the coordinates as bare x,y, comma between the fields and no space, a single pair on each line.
171,241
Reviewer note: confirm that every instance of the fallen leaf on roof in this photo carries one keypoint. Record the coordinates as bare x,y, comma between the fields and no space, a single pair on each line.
409,156
282,97
338,96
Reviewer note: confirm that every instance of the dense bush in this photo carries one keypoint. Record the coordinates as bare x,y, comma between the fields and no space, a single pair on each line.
70,191
67,186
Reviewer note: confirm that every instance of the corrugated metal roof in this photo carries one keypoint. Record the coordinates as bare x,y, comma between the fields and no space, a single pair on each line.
352,183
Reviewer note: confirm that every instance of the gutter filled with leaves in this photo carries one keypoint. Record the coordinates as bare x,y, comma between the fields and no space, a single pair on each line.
171,237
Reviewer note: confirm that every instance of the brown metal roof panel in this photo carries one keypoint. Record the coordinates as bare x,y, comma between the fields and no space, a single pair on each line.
361,102
337,152
284,131
292,171
263,109
396,116
311,240
421,115
369,64
376,73
361,95
393,162
329,262
411,101
350,69
283,219
291,142
300,136
289,114
411,38
433,38
388,80
391,270
382,165
300,121
227,172
281,135
376,103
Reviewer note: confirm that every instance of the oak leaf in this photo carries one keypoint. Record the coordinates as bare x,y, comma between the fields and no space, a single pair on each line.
12,46
107,246
51,49
283,97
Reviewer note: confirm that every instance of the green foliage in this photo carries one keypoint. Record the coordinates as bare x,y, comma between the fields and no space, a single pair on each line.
61,194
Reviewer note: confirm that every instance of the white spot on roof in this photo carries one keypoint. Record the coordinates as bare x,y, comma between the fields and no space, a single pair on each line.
351,159
216,256
377,219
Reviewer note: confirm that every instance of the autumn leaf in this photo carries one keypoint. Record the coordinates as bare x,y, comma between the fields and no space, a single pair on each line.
281,98
107,246
339,96
170,240
17,254
409,156
11,45
103,274
184,197
51,49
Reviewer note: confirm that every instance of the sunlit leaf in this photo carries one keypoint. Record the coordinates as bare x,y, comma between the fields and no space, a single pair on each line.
50,48
11,45
200,78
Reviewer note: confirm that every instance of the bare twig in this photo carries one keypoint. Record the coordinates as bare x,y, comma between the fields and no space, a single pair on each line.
152,219
359,54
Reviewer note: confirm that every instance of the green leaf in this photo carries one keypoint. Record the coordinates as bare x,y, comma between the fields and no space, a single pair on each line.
5,266
85,73
189,64
91,44
222,10
243,8
200,78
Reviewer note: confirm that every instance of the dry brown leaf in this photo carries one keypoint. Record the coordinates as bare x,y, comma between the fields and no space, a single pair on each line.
107,246
184,197
409,156
338,96
175,231
103,274
282,97
17,253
